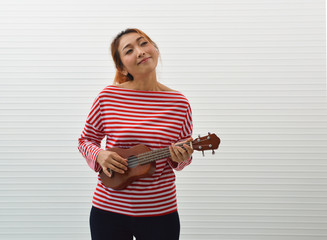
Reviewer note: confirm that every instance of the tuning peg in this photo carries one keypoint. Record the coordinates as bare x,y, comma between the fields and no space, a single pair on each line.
203,153
213,152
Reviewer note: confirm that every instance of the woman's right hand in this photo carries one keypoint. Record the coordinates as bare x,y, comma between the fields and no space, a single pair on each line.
112,160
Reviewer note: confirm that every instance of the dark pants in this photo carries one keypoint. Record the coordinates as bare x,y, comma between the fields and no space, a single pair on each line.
106,225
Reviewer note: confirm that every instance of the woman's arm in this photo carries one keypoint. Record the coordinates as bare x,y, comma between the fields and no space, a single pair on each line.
89,144
185,135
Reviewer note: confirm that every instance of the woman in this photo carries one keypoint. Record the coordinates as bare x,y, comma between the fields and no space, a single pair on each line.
136,110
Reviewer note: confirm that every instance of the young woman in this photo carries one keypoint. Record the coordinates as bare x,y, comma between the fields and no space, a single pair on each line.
137,109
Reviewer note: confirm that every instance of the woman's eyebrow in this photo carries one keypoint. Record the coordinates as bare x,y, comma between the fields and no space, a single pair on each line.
128,45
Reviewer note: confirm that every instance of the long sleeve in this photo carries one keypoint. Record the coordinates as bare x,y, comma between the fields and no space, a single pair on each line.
186,132
89,144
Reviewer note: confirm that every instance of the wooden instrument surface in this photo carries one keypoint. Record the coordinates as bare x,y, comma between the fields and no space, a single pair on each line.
141,160
120,181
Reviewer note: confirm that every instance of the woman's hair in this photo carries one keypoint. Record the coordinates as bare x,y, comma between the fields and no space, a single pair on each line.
120,78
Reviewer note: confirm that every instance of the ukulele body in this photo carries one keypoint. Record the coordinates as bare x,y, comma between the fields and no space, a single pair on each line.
119,181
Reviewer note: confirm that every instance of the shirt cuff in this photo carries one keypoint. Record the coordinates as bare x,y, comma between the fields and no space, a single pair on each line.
179,166
96,165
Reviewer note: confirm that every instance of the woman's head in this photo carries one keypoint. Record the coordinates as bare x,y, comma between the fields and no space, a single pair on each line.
128,48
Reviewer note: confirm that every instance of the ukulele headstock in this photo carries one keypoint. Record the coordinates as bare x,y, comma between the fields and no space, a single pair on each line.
209,142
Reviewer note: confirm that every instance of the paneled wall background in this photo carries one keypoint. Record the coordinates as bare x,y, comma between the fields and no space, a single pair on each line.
253,70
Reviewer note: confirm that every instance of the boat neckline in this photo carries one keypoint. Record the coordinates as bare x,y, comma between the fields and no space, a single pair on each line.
135,90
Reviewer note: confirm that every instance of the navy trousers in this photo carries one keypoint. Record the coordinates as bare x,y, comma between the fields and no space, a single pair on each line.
106,225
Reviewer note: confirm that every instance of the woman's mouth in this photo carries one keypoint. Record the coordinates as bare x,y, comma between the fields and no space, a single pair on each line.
144,60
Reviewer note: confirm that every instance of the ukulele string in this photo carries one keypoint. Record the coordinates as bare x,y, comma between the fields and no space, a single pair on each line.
150,156
147,157
143,157
157,156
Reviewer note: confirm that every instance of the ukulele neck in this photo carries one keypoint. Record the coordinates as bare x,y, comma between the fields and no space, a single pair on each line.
147,157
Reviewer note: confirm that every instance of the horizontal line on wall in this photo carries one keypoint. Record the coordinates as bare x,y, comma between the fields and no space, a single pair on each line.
191,90
87,202
302,210
14,189
185,221
103,80
64,162
207,121
190,170
306,111
221,45
164,41
198,129
82,116
261,141
255,146
78,98
21,134
84,186
190,221
188,71
264,10
214,19
206,2
65,82
211,34
200,221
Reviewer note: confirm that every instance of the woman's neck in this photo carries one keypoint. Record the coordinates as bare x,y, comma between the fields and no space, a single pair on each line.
143,83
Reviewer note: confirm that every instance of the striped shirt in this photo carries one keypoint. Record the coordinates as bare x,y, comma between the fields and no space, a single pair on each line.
127,118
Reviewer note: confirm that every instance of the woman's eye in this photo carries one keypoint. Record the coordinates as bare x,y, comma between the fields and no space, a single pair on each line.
143,43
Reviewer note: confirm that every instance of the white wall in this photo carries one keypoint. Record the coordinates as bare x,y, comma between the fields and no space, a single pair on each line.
253,70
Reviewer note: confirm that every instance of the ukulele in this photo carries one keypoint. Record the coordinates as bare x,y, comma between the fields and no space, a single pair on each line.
141,160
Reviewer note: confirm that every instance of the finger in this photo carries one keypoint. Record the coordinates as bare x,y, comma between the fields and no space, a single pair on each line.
105,170
180,150
118,164
120,159
178,156
116,169
188,149
179,153
184,153
176,149
173,154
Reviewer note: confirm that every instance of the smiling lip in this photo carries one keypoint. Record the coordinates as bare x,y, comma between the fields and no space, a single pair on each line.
144,60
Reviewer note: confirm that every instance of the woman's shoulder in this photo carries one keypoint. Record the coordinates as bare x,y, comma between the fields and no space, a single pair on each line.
165,88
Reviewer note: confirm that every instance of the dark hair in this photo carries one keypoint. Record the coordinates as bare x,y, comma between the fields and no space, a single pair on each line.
120,78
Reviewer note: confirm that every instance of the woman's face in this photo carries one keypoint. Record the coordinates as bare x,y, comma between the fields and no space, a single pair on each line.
134,49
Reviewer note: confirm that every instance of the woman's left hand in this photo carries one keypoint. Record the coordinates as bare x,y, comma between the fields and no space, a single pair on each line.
178,154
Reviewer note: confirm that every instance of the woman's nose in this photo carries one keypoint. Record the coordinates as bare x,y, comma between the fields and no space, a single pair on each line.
140,52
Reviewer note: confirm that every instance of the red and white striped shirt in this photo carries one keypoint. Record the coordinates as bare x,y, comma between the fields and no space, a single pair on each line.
127,118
